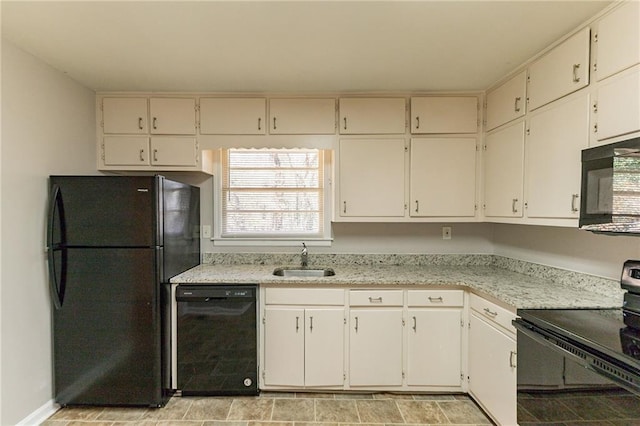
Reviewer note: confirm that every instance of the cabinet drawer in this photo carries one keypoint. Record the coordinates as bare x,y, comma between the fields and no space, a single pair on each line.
375,298
435,298
304,296
493,313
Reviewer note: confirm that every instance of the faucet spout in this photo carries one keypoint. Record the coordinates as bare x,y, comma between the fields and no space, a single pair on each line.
304,256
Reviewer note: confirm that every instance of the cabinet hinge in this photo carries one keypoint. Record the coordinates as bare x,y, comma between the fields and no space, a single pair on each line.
595,106
595,128
406,149
528,132
461,377
528,81
403,322
263,374
197,107
344,377
403,375
264,320
405,206
475,207
484,207
595,66
595,37
345,320
102,124
462,323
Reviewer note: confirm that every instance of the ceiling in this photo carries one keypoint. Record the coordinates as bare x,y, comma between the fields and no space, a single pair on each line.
289,46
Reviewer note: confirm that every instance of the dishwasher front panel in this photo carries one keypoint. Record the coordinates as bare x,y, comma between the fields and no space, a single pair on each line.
217,350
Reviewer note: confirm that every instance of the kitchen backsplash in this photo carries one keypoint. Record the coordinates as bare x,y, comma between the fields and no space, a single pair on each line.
561,276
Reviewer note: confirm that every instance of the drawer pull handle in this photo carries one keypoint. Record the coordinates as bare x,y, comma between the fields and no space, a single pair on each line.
490,313
140,123
375,299
259,123
274,123
415,325
356,324
514,209
155,123
310,324
297,324
516,104
417,122
435,299
513,359
142,155
155,155
345,123
574,198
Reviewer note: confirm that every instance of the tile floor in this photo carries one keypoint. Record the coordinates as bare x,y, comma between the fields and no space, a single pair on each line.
286,409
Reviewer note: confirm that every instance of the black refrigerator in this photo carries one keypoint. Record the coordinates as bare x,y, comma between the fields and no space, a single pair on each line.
113,244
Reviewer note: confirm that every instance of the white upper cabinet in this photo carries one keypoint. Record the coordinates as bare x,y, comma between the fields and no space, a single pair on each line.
444,114
174,151
617,109
173,116
302,116
504,172
561,71
126,150
371,182
507,102
124,115
233,116
443,177
372,116
556,137
618,40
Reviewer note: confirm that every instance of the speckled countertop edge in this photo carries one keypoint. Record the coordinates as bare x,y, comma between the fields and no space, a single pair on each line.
514,283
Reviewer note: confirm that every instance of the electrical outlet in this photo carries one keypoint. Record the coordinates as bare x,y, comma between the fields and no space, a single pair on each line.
206,231
446,232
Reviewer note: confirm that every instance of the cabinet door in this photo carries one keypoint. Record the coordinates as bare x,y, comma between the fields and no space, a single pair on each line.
126,150
173,151
173,116
375,352
618,39
434,347
557,136
443,177
492,370
507,102
283,346
504,172
302,116
444,114
618,106
372,116
124,115
233,116
371,177
563,70
324,347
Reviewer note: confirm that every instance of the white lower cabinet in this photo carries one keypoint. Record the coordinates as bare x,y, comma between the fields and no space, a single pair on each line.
434,347
375,351
304,347
492,361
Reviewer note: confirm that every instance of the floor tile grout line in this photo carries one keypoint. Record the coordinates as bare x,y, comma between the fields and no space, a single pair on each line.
399,410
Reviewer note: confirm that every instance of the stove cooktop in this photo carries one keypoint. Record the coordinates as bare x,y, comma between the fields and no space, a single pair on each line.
602,330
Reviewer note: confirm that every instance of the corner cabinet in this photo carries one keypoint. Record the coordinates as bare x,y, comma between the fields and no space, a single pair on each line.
507,102
149,134
493,360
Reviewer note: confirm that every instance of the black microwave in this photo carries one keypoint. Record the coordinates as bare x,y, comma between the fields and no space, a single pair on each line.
610,190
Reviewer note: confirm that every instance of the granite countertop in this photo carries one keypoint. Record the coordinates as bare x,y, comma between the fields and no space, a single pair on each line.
515,290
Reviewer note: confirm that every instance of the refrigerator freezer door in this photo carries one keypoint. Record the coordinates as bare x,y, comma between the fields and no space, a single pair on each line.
107,340
109,211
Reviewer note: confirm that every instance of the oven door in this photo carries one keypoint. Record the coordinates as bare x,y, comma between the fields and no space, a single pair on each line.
561,383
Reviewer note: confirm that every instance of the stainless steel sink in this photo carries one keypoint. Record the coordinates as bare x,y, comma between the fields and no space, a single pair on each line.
304,272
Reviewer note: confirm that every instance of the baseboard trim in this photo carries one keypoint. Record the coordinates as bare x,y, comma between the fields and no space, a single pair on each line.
40,415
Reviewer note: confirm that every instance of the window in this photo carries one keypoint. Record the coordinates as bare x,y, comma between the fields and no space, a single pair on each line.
272,193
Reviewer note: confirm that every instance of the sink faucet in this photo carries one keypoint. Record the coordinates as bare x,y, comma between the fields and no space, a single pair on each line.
304,256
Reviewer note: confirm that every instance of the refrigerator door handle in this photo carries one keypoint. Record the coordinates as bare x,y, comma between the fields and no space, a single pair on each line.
57,289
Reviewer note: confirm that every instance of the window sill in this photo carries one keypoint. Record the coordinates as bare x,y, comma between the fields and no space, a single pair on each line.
276,242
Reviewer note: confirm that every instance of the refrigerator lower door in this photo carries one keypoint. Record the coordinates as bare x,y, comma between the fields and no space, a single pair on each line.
107,337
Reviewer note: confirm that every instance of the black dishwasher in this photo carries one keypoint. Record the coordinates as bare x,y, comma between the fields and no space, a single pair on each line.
217,340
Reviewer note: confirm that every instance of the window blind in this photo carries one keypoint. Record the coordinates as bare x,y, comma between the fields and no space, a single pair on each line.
272,193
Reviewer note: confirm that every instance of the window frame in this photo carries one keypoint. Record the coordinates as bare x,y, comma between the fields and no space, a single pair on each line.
289,240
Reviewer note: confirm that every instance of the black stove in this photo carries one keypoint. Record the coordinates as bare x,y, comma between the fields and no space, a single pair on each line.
598,339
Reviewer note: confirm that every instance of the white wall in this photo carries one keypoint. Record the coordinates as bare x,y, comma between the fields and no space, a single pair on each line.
48,128
566,248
